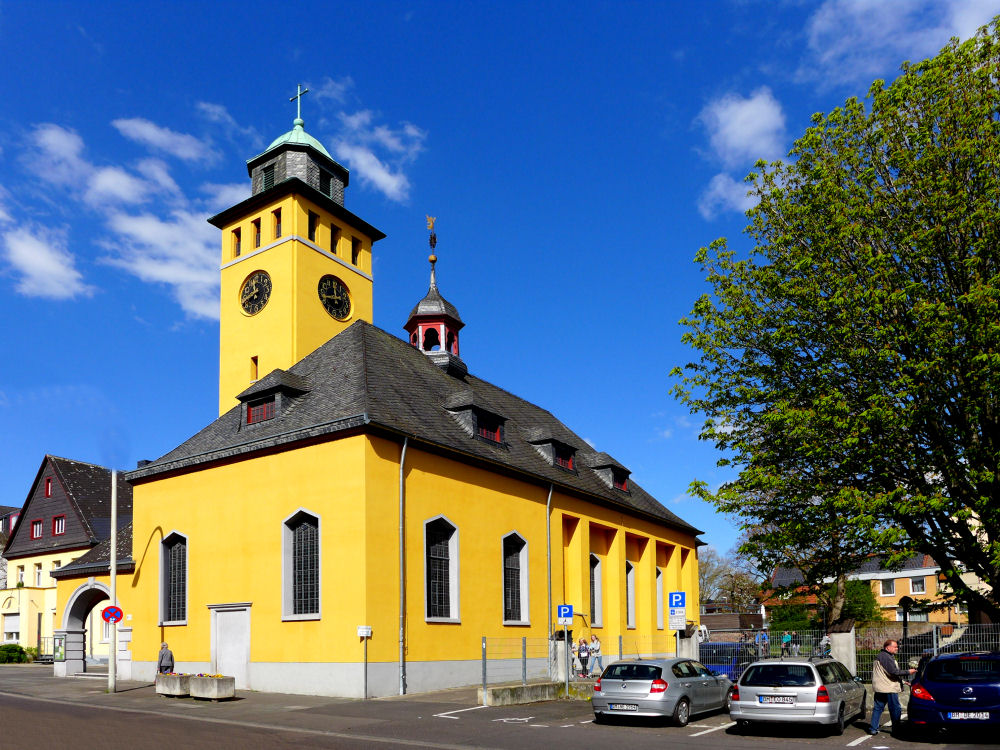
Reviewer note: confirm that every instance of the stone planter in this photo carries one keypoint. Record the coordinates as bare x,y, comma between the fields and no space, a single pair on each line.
213,688
173,685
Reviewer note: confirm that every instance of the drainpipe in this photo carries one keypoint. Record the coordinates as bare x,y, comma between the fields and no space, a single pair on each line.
402,573
548,554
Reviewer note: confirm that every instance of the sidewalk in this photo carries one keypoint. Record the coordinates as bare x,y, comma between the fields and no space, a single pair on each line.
249,708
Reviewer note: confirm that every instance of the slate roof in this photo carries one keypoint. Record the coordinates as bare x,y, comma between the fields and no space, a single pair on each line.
98,559
367,379
784,577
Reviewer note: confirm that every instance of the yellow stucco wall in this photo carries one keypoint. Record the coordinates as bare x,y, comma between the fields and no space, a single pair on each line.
294,322
233,514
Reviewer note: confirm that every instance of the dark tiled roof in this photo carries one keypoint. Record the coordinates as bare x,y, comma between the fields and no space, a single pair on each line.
6,509
785,577
89,486
367,378
277,380
434,304
98,559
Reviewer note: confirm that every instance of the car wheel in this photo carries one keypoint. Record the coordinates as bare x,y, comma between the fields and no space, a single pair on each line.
600,719
744,725
682,712
838,728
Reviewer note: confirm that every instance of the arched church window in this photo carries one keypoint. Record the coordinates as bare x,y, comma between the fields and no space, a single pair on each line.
174,579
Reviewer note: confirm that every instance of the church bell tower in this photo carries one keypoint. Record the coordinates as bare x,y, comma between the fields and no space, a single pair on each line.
296,266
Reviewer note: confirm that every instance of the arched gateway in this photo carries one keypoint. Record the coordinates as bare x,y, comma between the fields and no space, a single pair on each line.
74,628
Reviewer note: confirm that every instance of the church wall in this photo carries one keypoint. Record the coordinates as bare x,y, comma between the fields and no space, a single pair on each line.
233,516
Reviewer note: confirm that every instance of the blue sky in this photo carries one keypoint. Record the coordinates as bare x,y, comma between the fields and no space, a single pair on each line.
576,155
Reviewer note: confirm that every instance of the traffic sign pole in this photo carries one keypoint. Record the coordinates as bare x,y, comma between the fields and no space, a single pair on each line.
113,658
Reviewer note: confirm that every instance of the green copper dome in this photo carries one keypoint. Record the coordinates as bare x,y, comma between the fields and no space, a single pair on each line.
298,135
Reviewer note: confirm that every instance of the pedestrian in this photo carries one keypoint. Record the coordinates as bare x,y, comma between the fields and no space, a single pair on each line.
165,661
887,682
786,643
763,643
796,643
824,645
595,653
583,654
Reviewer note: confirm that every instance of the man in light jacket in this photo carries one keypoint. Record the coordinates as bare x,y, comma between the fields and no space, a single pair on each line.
887,682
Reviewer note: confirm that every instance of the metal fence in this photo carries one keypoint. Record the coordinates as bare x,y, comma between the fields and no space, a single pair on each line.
767,643
919,638
515,660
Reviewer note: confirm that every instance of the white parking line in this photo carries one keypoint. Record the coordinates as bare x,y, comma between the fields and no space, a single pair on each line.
445,715
714,729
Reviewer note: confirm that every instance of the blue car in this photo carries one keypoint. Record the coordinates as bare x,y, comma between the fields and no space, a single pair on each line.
727,658
952,690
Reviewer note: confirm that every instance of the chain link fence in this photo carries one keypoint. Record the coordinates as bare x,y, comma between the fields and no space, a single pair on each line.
515,660
920,638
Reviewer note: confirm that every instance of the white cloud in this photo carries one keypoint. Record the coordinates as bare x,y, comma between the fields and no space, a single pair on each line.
179,145
45,267
157,172
724,194
58,157
856,41
332,90
179,250
218,114
116,185
221,196
742,130
5,217
359,140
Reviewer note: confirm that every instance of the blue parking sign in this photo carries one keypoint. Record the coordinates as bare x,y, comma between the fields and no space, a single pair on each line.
564,614
677,599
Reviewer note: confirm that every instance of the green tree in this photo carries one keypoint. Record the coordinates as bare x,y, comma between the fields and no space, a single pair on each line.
849,366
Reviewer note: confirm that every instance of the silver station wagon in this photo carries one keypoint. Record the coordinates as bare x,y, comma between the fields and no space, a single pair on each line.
672,688
805,690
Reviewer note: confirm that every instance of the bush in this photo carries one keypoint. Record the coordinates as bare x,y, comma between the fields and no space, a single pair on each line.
32,652
11,653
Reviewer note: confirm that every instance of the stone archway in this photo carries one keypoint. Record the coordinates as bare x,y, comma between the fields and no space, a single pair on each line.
74,626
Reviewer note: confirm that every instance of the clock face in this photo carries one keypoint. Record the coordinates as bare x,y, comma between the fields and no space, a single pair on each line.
335,297
255,292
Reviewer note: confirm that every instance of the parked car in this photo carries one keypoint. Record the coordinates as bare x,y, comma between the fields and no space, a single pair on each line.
673,688
728,658
798,689
956,690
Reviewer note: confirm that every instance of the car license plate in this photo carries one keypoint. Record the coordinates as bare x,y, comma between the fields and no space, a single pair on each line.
969,715
786,700
623,706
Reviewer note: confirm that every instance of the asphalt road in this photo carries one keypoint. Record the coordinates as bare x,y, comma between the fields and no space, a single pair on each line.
41,712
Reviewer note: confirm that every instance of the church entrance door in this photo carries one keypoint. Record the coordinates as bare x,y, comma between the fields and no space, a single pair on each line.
231,642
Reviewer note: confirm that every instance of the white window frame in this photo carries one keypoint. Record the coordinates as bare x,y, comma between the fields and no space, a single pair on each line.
629,595
659,598
38,575
523,571
453,573
165,583
892,584
922,588
288,563
597,571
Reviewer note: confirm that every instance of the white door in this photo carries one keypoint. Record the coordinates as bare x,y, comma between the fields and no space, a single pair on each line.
232,644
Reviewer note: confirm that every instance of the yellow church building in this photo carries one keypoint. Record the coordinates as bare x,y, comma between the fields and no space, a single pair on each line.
357,479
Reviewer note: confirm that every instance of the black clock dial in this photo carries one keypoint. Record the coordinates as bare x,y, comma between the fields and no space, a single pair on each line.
255,292
335,297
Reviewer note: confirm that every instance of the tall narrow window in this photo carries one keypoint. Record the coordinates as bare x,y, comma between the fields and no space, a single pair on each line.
237,245
515,579
441,569
253,368
305,567
596,602
48,486
335,233
355,250
267,177
630,594
256,232
659,599
36,529
313,226
174,582
58,525
276,213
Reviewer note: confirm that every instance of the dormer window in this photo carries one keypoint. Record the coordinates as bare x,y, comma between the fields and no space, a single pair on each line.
563,457
260,411
619,480
489,427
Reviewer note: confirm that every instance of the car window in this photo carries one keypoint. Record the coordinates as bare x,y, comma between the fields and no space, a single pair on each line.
700,669
778,675
633,672
828,673
683,669
964,669
845,676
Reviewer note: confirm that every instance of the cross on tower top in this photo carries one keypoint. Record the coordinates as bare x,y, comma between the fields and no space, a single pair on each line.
298,104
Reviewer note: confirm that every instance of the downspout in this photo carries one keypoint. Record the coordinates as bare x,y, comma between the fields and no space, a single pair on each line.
402,573
548,554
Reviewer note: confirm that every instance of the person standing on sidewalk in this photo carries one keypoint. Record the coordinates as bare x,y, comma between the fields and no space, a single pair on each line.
887,682
165,661
595,654
583,654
